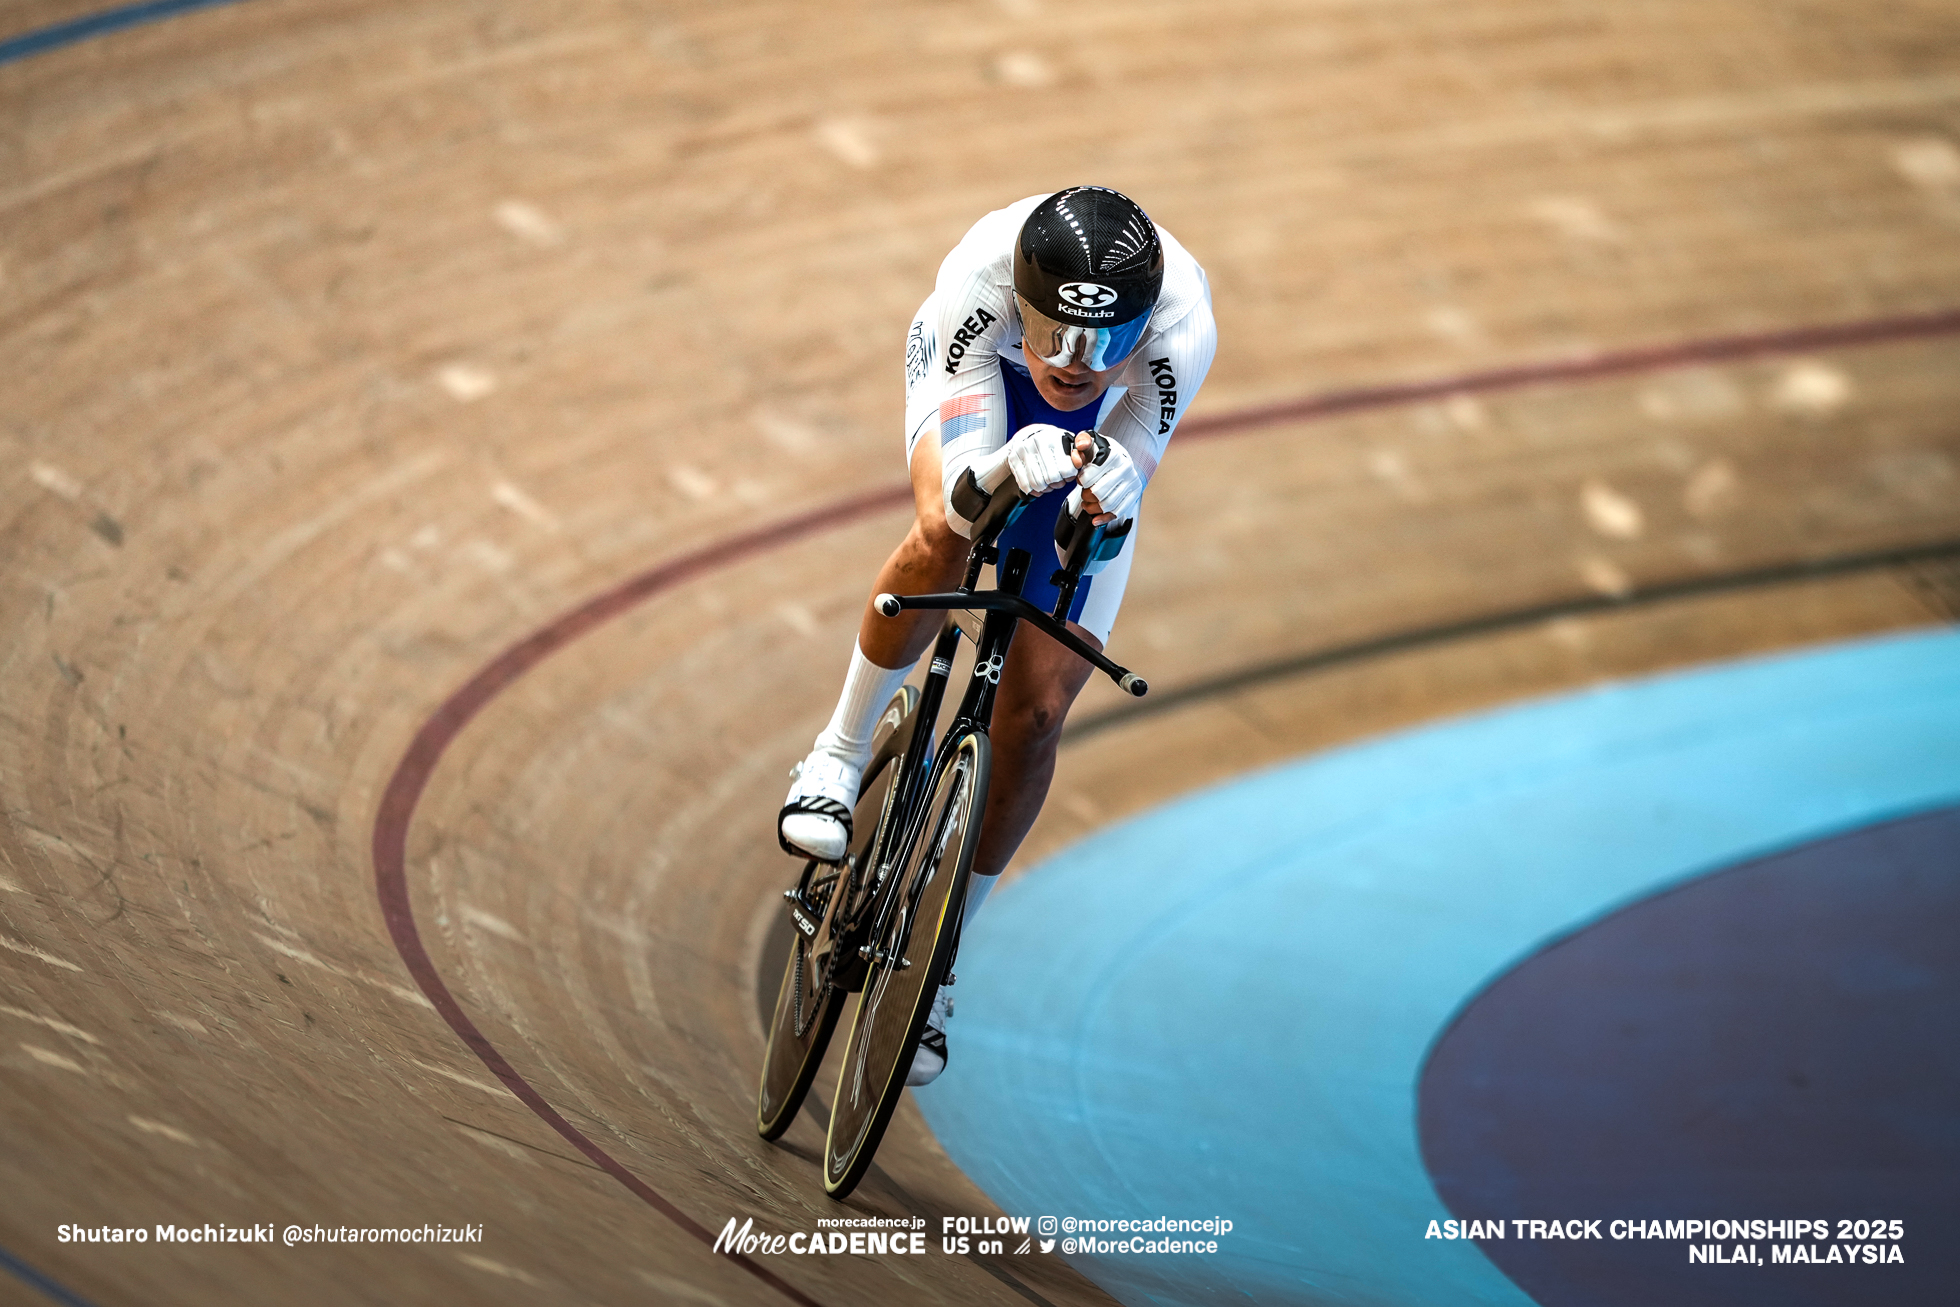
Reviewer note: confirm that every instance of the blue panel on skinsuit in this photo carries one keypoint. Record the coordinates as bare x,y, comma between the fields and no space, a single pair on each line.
1781,1039
1222,1008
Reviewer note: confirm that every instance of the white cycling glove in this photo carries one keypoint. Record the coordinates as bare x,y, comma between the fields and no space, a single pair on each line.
1039,456
1116,481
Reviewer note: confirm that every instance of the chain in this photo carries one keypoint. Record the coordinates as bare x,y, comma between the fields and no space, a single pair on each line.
796,981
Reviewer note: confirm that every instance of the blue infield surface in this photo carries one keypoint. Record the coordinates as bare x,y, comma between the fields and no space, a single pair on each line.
1225,1007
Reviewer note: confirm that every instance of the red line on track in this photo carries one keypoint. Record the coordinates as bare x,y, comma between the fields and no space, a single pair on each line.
1579,367
412,777
412,774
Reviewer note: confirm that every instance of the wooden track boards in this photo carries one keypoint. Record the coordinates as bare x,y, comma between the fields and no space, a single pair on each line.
348,343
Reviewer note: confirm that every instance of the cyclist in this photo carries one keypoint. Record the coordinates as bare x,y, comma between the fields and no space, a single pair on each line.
1052,318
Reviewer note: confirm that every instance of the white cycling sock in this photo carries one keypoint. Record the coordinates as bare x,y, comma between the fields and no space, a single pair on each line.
977,890
867,689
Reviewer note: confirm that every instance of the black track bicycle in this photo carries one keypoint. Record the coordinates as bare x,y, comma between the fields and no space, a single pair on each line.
884,922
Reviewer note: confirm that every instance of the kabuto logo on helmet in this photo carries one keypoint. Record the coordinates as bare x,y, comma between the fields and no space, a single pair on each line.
1085,294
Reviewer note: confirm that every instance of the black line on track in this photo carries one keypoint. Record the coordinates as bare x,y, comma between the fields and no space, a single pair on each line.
52,1288
41,40
521,1144
1422,637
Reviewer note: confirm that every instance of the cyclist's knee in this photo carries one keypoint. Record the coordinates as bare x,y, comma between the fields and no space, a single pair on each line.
1036,723
1045,719
939,535
935,542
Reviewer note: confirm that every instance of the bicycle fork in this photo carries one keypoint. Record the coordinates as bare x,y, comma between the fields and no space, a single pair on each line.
882,945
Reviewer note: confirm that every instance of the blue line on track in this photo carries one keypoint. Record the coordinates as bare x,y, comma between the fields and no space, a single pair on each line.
1222,1007
60,1293
28,44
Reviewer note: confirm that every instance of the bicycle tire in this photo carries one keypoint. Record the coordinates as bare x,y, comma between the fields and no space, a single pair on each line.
807,1007
917,948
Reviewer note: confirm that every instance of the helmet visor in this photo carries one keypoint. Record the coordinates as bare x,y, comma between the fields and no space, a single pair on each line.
1061,344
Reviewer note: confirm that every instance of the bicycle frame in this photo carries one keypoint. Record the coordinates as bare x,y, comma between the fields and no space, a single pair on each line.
917,820
857,920
922,764
921,768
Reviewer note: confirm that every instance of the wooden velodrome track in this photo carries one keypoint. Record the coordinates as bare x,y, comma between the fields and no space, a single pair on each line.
348,345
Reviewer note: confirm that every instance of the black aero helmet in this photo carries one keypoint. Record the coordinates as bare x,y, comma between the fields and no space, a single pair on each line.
1090,266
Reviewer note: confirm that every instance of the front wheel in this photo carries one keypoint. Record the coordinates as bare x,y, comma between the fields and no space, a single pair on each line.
807,1002
913,949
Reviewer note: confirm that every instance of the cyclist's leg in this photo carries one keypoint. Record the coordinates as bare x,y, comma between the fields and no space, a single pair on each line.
1037,687
932,556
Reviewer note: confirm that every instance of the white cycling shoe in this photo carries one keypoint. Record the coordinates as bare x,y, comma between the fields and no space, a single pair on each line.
816,820
930,1060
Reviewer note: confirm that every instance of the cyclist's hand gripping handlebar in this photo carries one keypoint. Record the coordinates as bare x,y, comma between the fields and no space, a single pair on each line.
988,492
986,499
1113,477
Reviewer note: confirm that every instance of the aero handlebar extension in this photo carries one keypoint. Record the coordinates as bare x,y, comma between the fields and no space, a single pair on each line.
982,503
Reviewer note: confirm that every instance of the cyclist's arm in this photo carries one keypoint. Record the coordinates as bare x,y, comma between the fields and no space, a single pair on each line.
1159,384
966,371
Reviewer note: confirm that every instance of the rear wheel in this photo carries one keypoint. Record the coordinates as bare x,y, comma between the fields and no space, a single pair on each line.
808,1003
913,952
